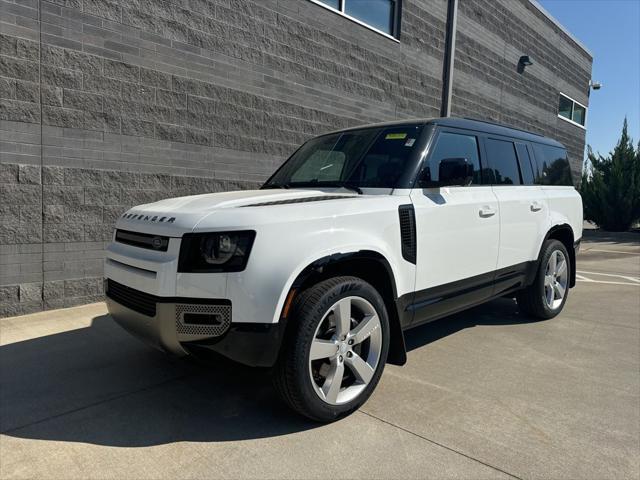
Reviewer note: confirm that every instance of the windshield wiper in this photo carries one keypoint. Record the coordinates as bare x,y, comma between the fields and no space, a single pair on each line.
277,185
355,188
347,185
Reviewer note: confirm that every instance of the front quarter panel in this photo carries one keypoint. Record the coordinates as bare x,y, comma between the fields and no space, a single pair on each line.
291,237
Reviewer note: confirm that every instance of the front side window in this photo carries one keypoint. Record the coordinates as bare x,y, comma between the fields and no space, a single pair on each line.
503,163
571,110
365,158
453,145
381,15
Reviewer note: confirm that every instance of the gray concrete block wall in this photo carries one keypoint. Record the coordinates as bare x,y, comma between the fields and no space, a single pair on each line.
492,35
105,104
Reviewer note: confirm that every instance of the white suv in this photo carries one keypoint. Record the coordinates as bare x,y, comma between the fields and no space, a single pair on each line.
360,235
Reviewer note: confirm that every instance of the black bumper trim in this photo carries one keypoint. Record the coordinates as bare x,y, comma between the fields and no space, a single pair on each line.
252,344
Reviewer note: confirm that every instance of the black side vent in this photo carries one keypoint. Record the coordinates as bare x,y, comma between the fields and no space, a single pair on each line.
408,232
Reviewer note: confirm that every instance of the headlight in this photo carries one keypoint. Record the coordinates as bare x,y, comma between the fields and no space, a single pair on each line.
215,252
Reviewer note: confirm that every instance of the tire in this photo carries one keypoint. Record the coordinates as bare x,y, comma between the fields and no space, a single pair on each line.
534,300
309,385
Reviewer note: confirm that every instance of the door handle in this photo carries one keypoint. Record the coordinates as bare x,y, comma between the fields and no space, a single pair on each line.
486,212
536,206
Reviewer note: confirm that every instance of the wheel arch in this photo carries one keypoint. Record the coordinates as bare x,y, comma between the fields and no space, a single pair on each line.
373,268
564,234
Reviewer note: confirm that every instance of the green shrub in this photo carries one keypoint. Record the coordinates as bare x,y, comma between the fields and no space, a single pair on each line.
610,186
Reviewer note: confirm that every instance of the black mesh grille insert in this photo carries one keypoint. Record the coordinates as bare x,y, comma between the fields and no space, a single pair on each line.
408,232
136,300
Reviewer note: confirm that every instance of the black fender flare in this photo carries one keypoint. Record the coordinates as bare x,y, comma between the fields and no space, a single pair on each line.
316,270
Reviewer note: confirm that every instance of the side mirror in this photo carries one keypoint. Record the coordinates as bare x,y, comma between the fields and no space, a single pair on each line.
455,171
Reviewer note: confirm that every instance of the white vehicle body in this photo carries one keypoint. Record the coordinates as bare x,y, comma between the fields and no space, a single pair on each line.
470,244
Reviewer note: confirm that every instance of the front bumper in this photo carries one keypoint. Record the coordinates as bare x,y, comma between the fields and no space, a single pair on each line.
175,325
158,331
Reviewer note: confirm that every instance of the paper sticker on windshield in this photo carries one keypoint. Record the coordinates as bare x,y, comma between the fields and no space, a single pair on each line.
410,142
395,136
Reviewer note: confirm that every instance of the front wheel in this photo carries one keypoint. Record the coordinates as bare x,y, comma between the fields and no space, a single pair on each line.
546,296
335,350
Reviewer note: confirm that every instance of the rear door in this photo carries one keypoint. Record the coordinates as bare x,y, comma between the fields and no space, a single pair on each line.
523,208
457,232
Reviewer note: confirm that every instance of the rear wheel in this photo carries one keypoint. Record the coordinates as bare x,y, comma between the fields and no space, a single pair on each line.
546,296
335,352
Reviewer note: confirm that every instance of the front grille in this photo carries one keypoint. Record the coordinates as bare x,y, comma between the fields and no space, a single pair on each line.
136,300
196,319
408,232
143,240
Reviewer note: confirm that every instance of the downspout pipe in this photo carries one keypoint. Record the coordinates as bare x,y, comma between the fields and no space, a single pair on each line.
449,57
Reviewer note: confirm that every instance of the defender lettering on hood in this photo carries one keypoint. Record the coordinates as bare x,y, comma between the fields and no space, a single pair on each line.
148,218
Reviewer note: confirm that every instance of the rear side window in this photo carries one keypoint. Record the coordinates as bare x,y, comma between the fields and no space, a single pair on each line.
503,163
454,145
525,164
552,165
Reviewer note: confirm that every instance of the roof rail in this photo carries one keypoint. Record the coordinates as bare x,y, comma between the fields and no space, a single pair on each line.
504,126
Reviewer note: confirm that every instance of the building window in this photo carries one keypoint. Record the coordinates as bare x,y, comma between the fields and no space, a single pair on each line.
382,16
572,111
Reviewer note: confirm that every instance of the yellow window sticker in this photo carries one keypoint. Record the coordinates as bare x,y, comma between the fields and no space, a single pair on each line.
395,136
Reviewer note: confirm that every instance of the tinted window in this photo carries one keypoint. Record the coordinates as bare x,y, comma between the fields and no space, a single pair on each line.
503,164
552,165
377,13
454,145
525,164
571,110
371,157
385,161
332,3
579,112
565,107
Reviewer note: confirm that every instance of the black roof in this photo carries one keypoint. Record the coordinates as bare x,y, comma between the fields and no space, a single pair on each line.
470,124
494,128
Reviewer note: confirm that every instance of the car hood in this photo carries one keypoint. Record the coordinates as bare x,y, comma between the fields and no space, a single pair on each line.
175,216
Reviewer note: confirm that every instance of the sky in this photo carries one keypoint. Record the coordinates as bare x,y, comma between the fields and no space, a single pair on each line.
610,29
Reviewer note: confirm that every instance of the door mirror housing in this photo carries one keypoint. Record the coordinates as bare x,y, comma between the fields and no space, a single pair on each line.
451,172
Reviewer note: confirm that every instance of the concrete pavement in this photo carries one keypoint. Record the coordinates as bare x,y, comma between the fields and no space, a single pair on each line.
485,394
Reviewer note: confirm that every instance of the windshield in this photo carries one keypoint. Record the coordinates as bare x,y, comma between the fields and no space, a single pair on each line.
371,157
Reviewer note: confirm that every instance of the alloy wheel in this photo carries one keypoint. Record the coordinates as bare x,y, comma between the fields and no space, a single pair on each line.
555,280
345,350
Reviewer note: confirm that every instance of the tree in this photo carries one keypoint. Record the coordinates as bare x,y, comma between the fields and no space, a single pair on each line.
610,186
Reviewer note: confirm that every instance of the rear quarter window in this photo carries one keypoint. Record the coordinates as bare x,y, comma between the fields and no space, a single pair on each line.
551,165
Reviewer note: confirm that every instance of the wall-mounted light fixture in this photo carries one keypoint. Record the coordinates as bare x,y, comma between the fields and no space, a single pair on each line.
524,61
595,85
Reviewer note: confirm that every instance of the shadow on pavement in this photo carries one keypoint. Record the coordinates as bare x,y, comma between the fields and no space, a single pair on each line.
632,236
100,386
503,311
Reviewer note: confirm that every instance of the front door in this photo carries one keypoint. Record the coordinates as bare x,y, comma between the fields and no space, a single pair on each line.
457,232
